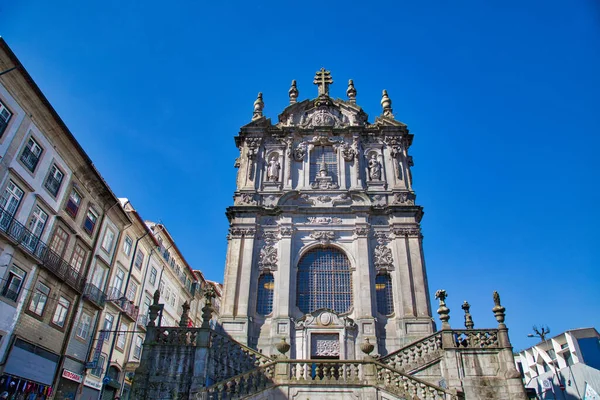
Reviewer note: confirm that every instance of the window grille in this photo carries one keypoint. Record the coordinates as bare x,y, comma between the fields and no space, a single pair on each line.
324,281
319,154
383,289
264,301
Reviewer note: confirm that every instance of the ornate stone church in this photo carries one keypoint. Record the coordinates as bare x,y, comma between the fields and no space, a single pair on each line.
325,290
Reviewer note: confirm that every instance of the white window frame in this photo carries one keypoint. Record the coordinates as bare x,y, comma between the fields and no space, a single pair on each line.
61,312
137,349
127,245
85,323
34,148
75,198
39,297
107,240
153,275
5,115
57,175
121,338
132,290
93,217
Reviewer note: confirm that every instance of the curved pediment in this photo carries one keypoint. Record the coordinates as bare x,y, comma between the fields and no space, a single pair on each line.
324,317
322,112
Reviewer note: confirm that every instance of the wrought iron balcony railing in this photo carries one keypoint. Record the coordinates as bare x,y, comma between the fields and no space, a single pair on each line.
118,298
95,295
31,243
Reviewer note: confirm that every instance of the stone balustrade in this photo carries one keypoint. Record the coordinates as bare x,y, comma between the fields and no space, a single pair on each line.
416,354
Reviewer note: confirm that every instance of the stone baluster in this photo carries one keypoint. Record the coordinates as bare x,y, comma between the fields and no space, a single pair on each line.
185,317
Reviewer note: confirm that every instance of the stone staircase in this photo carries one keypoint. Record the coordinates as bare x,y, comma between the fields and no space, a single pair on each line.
415,355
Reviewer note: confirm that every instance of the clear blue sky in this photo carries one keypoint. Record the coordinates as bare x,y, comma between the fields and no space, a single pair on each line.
502,97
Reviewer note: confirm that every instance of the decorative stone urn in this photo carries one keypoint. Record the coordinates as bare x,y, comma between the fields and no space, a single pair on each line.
367,347
283,346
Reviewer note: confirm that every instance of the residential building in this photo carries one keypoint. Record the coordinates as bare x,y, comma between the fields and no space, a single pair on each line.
53,206
565,366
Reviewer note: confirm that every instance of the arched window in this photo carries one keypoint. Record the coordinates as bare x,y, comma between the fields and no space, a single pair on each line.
383,289
324,281
264,301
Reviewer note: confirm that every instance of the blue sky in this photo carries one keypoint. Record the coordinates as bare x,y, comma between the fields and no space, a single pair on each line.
503,100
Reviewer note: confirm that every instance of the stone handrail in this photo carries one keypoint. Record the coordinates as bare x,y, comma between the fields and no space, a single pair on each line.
175,335
416,354
240,385
358,373
230,358
409,386
475,338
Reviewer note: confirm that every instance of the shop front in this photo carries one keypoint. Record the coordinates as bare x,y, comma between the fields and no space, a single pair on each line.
70,379
91,389
29,371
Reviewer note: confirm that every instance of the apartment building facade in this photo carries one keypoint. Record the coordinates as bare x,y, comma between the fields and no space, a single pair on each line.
53,206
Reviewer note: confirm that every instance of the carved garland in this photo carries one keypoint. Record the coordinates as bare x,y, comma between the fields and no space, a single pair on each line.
382,255
324,237
267,259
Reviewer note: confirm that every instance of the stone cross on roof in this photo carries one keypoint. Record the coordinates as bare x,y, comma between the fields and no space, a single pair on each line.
323,80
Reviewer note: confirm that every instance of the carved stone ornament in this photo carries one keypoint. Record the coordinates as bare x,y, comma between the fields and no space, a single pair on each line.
348,152
253,144
407,231
324,220
239,232
324,184
286,231
343,198
324,199
382,257
361,231
321,117
246,199
378,200
267,258
325,345
406,198
300,151
324,237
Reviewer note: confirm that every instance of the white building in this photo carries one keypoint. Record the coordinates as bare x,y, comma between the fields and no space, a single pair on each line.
564,366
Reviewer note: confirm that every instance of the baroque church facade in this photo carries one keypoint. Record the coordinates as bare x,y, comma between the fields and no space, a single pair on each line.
325,292
324,242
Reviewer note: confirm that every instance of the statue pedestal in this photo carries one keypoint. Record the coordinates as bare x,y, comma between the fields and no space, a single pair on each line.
270,186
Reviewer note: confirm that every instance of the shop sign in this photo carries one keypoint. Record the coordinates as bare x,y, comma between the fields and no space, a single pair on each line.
72,375
92,383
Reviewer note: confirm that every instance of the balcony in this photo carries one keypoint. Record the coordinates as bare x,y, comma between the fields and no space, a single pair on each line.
142,321
118,298
31,244
95,295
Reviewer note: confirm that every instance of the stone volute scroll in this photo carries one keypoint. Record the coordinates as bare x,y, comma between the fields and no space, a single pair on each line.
443,311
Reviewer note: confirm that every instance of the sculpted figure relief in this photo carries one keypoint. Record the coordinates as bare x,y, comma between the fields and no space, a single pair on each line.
374,168
273,169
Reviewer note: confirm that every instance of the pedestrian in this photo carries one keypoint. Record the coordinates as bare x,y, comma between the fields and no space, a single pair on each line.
4,396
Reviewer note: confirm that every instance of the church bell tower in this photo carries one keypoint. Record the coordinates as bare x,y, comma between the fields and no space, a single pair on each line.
324,245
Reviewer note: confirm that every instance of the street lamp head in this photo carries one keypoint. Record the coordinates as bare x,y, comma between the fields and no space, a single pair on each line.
530,335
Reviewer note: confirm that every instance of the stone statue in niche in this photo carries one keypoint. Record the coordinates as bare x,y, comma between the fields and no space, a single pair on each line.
273,169
374,168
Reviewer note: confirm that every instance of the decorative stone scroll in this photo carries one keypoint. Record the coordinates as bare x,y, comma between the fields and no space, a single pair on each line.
361,231
246,199
324,237
286,231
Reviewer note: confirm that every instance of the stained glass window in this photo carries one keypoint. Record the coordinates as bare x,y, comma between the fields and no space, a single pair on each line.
264,302
383,289
324,281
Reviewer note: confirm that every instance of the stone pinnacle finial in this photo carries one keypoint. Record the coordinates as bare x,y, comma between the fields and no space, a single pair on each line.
443,311
323,80
351,92
293,92
498,310
386,103
185,315
258,107
469,324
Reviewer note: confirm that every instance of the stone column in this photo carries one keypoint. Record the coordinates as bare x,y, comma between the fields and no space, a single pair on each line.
363,279
245,275
404,288
232,266
418,274
281,298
